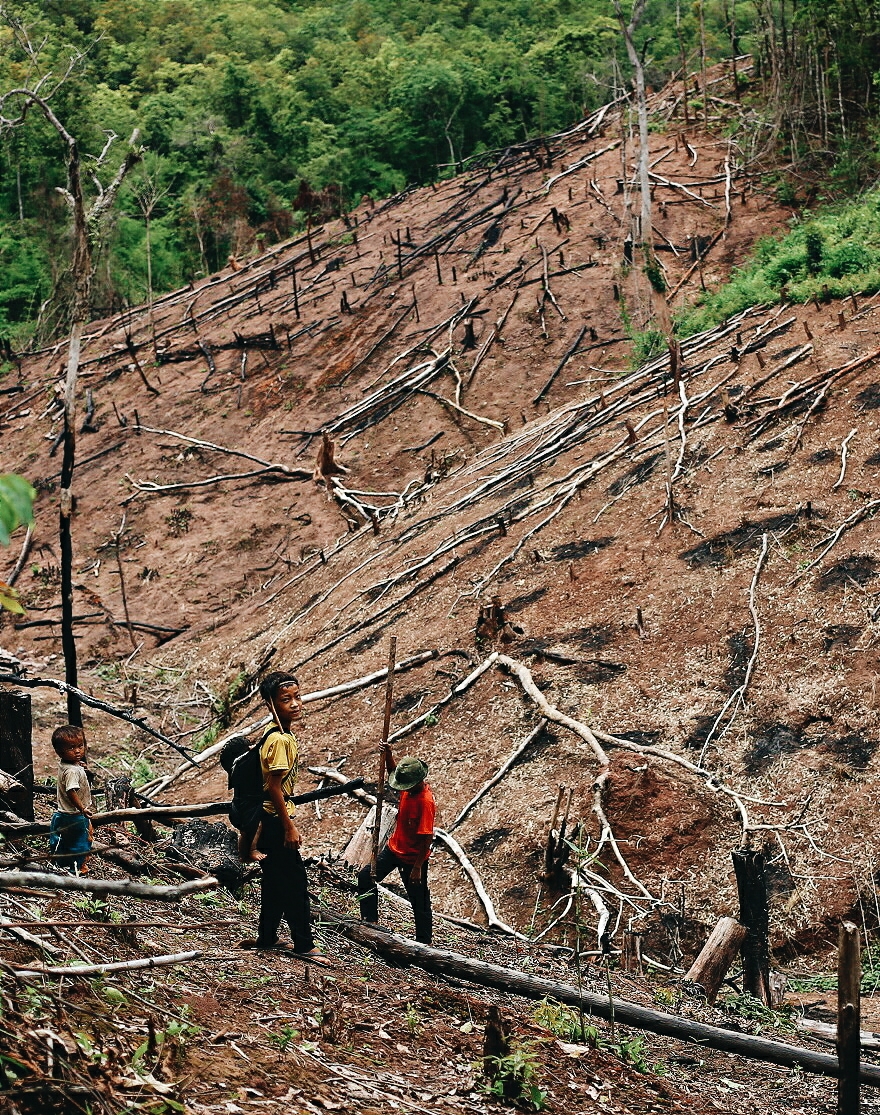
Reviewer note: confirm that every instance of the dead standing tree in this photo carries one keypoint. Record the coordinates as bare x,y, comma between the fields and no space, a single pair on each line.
88,218
644,227
644,230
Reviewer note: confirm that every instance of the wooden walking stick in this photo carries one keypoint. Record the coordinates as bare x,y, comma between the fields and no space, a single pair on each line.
386,725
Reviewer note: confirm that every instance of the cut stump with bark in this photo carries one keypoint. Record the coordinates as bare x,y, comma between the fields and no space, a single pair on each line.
849,978
716,956
359,850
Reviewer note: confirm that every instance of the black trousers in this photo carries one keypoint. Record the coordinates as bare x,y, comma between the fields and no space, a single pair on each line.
283,889
417,893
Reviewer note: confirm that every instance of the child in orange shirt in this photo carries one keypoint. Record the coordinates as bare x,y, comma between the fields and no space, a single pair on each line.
409,847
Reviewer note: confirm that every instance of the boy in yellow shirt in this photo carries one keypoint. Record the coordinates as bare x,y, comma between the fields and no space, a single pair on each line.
284,885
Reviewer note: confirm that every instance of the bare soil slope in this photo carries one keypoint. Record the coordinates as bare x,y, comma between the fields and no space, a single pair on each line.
467,348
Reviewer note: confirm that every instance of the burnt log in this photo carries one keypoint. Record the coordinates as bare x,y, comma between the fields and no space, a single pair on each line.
212,848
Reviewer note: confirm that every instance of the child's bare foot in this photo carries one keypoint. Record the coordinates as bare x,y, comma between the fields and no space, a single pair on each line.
256,857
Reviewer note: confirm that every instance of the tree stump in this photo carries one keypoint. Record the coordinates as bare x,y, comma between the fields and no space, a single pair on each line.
716,956
212,848
16,752
632,952
754,914
119,794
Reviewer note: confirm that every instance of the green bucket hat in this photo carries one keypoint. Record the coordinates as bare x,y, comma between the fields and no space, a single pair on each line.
409,772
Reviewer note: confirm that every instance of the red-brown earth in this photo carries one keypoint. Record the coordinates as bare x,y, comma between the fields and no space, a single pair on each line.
636,627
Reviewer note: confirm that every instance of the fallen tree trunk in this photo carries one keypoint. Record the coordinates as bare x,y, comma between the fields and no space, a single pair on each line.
39,880
402,951
167,812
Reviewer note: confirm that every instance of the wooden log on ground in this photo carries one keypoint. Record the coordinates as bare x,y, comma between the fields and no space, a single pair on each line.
16,753
171,812
849,980
37,880
401,951
716,956
827,1031
754,914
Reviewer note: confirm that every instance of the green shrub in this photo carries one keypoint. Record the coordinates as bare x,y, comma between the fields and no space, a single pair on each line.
836,252
848,259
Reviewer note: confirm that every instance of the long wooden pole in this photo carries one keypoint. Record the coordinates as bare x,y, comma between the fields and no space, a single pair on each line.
849,979
386,726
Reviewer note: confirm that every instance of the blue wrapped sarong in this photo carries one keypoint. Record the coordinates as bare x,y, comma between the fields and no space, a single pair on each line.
69,839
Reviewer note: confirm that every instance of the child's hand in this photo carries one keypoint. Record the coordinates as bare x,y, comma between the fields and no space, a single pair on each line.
292,838
415,876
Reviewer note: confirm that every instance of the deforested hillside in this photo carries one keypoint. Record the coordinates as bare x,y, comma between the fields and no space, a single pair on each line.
631,584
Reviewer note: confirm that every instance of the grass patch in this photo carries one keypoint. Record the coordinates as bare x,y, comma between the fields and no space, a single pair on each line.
831,254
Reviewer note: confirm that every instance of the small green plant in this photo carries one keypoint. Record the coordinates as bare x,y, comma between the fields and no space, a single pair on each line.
138,767
431,719
284,1039
210,899
815,249
647,344
565,1023
206,738
747,1006
569,1025
168,1044
633,1051
654,273
413,1021
95,908
178,521
513,1076
814,983
870,973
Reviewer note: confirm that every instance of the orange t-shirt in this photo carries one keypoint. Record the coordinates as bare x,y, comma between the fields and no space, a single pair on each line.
415,818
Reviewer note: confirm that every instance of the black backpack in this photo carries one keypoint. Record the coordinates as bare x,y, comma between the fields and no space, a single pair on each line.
240,758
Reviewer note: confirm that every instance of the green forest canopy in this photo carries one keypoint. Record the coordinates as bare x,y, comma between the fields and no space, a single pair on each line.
240,101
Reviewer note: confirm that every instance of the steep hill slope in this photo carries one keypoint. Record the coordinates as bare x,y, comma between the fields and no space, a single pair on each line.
467,347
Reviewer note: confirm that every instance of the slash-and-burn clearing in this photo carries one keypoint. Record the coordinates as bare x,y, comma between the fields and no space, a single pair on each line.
660,582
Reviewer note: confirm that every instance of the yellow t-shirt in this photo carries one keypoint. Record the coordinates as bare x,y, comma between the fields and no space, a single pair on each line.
280,751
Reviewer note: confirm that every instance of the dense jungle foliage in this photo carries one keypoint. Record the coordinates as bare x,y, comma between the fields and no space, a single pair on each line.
239,103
